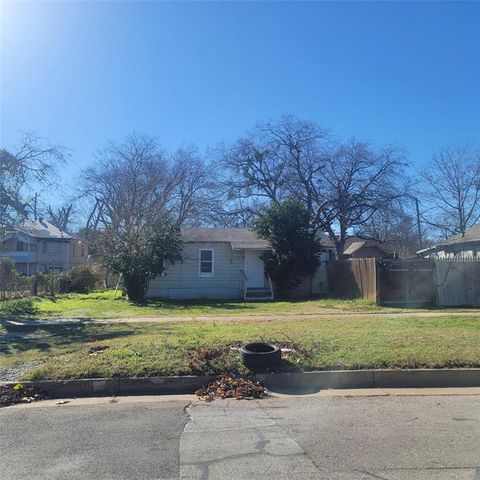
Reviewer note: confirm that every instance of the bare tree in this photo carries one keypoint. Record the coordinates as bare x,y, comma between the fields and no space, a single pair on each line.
136,181
342,185
451,189
61,217
393,223
358,182
32,165
269,163
193,195
129,185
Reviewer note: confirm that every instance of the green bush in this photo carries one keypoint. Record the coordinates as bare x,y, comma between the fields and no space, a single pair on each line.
80,279
8,274
295,248
45,283
10,308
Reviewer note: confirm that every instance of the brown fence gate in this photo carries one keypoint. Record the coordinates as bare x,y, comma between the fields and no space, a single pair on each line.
407,283
355,278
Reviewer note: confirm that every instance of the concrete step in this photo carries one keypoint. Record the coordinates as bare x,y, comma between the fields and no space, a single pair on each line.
258,299
258,294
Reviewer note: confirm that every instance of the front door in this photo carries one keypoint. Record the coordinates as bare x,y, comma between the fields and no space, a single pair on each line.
254,269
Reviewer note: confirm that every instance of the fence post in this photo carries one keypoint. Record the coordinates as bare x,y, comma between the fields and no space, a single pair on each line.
35,286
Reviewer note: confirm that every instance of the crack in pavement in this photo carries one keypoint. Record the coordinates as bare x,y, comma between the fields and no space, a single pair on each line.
206,453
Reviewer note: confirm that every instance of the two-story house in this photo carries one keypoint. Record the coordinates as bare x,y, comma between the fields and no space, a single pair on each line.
39,246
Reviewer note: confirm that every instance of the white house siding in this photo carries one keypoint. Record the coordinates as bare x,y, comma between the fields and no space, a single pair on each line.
182,280
443,255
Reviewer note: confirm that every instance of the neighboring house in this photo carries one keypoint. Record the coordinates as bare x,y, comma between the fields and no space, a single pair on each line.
458,246
225,263
39,246
365,248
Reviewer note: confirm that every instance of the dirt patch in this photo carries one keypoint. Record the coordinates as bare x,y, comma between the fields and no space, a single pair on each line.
94,351
214,361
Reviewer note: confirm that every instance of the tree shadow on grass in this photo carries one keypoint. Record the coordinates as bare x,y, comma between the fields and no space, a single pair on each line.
24,337
229,305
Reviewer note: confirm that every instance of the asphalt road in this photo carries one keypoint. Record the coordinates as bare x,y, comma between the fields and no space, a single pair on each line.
308,437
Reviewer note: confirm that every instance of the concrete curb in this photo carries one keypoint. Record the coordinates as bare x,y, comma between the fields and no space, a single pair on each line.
427,378
288,382
101,387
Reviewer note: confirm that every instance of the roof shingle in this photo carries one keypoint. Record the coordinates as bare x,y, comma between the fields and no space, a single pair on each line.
41,229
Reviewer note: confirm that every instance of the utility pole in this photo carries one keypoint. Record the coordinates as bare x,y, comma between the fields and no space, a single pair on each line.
420,239
35,207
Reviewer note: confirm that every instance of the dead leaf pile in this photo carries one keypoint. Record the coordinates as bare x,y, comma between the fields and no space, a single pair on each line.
18,393
231,387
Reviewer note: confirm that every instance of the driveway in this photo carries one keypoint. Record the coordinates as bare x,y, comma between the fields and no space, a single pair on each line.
305,437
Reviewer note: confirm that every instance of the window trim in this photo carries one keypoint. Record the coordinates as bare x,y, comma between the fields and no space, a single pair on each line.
206,274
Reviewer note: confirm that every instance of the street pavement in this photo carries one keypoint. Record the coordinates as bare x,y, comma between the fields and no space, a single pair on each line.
369,435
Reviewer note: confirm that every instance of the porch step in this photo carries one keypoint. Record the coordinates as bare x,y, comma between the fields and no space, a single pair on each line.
258,294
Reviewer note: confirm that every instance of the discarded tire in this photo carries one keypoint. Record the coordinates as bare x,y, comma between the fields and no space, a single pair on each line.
259,355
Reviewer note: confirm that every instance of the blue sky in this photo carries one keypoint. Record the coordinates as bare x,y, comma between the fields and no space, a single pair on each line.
80,73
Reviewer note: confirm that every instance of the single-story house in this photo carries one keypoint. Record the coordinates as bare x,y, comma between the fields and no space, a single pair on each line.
458,246
367,248
225,263
39,246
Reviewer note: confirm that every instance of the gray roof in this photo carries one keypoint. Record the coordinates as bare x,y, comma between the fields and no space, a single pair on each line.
325,241
239,238
41,229
385,247
472,235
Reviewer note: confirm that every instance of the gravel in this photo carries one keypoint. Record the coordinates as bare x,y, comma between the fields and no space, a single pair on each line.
13,374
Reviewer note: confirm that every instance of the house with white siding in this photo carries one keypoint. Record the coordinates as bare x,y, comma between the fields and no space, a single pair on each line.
225,263
466,245
39,246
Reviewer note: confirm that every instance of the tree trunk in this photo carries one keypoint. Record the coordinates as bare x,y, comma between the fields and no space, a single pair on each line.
136,287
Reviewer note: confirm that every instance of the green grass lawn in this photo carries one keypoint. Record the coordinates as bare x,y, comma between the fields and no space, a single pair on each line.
104,304
135,349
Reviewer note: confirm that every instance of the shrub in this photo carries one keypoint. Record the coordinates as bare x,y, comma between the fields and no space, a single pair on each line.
83,278
45,283
140,253
8,274
10,308
295,248
80,279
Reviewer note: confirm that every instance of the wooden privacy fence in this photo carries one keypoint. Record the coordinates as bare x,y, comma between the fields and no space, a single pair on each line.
354,278
458,282
406,283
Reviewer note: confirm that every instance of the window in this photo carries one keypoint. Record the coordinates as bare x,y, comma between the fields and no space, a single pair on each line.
52,247
20,246
54,269
205,263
